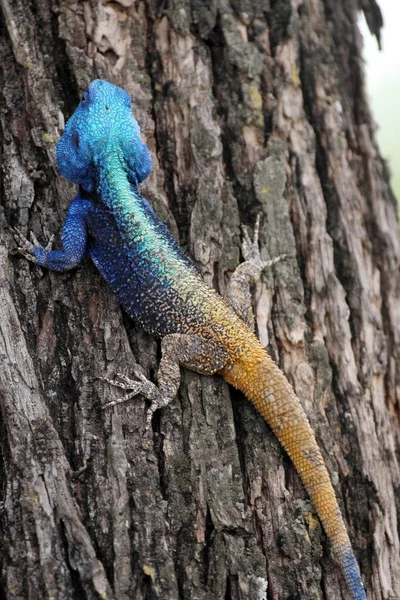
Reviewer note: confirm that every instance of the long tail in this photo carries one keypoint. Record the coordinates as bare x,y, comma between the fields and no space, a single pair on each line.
268,389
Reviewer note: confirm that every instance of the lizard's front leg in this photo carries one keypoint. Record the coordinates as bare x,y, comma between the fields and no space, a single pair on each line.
248,272
74,235
190,351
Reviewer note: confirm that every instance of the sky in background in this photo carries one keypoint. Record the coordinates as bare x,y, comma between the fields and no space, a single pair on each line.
383,82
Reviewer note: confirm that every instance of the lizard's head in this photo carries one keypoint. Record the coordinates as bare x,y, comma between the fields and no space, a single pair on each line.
103,123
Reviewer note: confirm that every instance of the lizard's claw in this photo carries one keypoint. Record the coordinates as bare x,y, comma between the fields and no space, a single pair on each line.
251,250
22,241
25,247
36,243
49,244
143,387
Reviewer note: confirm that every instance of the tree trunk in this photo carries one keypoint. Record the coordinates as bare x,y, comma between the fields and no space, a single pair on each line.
248,107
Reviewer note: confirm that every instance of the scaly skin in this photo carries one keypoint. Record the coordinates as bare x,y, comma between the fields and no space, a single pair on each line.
101,150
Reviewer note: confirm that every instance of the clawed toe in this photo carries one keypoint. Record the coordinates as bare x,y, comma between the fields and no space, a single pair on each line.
270,263
256,229
126,398
34,239
138,372
49,245
125,382
26,254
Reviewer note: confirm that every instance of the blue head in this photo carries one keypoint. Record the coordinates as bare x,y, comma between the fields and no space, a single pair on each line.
103,123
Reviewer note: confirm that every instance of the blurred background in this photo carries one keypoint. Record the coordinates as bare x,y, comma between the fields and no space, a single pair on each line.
383,82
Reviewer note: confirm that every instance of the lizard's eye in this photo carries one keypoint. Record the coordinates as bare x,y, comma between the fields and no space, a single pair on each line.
75,139
84,97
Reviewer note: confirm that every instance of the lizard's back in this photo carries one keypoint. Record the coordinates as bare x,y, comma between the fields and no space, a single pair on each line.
158,284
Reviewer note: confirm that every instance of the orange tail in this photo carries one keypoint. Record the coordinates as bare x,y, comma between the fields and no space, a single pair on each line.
267,388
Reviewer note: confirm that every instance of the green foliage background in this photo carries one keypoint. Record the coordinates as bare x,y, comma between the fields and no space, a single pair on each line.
382,69
386,106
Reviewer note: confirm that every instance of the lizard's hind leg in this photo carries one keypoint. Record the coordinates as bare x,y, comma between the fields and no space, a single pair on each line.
190,351
247,273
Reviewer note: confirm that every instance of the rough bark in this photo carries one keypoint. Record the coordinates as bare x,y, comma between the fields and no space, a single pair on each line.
247,106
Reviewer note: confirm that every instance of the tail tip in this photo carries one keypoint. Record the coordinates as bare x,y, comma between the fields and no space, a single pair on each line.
352,575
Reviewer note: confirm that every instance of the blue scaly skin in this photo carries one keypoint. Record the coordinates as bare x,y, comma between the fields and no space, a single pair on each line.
101,150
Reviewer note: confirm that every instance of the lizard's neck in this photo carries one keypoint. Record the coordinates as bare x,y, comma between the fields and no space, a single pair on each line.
138,224
115,185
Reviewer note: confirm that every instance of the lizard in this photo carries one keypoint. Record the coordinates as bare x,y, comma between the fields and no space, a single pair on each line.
102,151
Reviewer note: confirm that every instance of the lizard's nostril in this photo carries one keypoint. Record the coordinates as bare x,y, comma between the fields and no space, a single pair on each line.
106,106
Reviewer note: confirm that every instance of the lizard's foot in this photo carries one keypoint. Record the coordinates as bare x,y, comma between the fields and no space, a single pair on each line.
247,273
143,387
251,250
27,248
